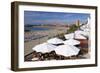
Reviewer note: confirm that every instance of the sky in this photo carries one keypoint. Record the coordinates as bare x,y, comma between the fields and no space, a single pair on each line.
40,17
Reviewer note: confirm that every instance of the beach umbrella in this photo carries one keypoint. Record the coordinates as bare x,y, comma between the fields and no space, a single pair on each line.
78,36
86,30
85,26
55,41
80,32
69,36
87,33
71,42
45,47
67,50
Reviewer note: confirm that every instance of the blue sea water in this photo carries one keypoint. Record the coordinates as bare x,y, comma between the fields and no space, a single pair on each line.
39,29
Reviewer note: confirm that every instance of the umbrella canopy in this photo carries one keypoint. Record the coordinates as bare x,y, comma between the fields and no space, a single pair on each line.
85,26
69,36
80,37
45,47
55,41
86,30
80,32
67,50
71,42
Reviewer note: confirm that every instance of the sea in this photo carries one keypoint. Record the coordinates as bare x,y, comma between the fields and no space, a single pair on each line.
36,28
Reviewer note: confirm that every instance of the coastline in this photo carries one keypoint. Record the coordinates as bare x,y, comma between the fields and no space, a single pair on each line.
41,36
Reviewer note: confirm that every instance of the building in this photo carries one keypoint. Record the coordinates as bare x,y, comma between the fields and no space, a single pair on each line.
77,22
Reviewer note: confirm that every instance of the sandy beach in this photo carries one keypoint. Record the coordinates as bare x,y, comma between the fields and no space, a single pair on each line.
40,37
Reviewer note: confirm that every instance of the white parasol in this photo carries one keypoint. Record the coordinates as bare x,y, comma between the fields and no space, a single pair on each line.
69,36
67,50
78,36
45,47
80,32
71,42
55,41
